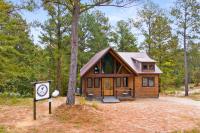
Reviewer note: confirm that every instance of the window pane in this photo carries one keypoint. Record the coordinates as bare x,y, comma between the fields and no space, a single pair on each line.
145,67
145,82
125,82
96,83
89,82
151,67
151,82
118,84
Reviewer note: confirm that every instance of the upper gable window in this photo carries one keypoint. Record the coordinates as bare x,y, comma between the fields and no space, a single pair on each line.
96,69
148,67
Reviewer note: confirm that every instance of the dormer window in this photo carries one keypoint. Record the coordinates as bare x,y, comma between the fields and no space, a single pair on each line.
144,67
148,67
152,67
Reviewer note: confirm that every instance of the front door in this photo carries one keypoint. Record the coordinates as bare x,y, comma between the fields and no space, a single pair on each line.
107,86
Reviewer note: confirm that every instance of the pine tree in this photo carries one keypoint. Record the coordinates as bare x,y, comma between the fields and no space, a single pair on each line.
54,30
123,38
187,16
146,17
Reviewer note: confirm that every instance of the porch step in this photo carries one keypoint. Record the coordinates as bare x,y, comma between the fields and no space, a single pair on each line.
110,99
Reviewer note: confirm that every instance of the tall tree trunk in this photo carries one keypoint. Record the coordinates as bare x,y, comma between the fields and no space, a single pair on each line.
185,65
74,54
149,38
185,55
58,72
59,58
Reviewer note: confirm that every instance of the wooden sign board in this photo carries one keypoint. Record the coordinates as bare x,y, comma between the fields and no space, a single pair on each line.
42,91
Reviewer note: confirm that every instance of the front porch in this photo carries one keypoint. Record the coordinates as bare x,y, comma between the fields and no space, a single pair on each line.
110,93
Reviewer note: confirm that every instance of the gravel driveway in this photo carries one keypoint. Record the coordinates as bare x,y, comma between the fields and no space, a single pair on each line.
165,114
148,115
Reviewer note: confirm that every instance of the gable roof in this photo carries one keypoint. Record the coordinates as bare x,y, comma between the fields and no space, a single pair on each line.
126,57
93,61
138,56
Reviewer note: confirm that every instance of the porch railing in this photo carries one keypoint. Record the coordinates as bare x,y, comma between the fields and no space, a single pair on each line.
129,91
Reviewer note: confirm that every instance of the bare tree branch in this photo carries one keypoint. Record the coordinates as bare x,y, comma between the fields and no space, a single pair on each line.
106,3
70,8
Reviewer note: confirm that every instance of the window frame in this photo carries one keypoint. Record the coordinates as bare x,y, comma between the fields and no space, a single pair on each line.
126,81
153,67
98,86
148,79
119,82
148,66
91,83
96,72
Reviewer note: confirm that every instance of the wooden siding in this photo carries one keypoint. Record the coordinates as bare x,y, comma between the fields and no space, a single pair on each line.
121,89
134,82
93,90
146,91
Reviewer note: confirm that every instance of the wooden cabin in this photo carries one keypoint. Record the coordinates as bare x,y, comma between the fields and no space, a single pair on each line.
120,74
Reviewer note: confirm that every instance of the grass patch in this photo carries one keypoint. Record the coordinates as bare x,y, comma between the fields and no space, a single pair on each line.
170,90
195,96
195,130
15,101
82,101
3,129
95,105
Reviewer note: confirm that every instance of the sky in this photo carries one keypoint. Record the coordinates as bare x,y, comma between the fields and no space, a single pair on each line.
113,13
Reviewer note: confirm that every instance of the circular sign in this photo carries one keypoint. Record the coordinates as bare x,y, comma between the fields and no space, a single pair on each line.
42,90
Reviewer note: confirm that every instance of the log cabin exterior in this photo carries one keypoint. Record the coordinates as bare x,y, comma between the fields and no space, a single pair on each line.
111,73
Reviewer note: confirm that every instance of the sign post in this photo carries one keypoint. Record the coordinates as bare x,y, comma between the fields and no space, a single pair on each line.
34,109
41,92
50,100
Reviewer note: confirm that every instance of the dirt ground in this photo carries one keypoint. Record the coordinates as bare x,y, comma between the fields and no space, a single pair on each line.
166,114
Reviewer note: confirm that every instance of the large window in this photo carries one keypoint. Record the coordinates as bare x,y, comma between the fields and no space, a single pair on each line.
118,82
125,82
147,67
148,82
96,82
89,83
107,64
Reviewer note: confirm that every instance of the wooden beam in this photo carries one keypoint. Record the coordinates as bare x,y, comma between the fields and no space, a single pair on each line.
120,60
110,75
119,69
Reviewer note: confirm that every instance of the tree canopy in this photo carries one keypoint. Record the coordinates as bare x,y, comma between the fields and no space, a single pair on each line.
72,34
